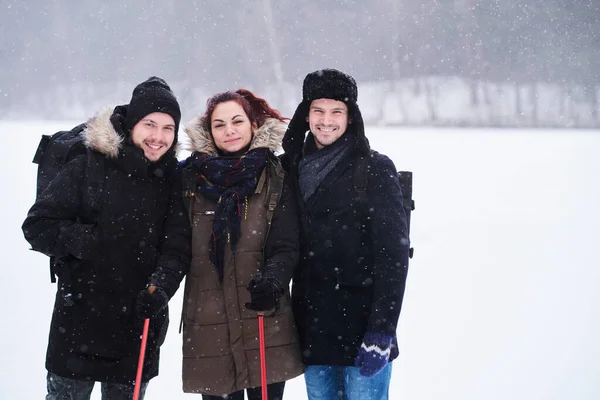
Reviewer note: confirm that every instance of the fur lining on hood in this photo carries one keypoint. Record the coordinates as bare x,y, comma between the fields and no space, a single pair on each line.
269,135
100,134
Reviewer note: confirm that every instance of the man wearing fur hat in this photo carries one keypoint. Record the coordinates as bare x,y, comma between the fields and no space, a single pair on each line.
348,288
108,256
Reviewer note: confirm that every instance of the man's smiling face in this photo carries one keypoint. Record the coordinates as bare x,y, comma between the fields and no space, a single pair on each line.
328,120
154,134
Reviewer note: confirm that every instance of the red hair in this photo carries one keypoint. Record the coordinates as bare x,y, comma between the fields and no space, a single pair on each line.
257,109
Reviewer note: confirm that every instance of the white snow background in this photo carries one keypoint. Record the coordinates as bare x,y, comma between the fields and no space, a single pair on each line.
503,294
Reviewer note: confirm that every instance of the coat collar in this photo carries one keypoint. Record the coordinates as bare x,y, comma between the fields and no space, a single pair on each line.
269,135
101,135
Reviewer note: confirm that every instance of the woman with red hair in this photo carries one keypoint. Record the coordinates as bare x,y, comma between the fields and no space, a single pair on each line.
245,246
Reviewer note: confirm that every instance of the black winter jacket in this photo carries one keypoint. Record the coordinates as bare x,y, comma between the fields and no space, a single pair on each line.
348,282
140,226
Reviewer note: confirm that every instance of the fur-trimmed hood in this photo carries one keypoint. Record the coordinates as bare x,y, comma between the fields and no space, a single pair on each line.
100,134
269,135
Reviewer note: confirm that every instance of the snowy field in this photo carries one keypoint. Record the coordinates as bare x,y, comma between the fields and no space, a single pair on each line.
503,295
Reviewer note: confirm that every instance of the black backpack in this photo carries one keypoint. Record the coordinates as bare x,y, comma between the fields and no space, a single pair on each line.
361,166
54,152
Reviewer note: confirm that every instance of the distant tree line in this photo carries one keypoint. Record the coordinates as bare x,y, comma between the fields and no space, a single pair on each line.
210,46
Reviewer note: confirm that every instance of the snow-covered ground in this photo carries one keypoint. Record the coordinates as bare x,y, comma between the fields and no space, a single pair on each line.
503,295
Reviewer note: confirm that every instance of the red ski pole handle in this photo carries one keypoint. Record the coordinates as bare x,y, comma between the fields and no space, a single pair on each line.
263,361
138,377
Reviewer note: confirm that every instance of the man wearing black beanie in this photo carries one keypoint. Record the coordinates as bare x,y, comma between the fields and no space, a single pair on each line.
152,95
151,100
348,287
112,219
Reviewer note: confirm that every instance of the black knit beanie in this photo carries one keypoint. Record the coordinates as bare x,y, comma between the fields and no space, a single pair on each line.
150,96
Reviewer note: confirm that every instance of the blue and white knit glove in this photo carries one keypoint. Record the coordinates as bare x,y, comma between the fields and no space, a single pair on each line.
374,353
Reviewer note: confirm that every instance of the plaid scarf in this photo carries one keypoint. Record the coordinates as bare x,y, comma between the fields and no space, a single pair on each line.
228,181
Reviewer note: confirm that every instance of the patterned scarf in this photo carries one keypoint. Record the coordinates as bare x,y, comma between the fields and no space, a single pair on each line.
228,181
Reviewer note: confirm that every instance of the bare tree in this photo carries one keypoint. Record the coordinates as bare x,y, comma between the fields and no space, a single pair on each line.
274,50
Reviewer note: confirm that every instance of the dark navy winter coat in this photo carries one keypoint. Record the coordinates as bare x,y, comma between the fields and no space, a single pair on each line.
348,283
110,256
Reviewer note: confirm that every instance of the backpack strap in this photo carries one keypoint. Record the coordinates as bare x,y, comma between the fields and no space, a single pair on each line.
274,191
62,266
275,187
405,178
188,188
361,167
94,184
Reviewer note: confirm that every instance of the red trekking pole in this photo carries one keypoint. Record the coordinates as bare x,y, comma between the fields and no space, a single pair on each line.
138,377
263,361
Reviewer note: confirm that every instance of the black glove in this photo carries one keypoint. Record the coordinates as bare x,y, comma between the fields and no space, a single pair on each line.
264,294
150,305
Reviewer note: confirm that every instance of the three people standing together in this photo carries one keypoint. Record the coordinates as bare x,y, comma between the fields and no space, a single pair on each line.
240,222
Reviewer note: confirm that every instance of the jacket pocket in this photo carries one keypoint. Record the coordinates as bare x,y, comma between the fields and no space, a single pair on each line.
202,224
205,307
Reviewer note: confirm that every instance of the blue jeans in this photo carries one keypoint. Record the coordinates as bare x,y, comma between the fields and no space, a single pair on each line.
60,388
332,382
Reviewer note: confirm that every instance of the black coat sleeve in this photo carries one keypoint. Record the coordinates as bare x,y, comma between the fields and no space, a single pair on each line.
53,224
283,242
390,246
176,248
